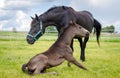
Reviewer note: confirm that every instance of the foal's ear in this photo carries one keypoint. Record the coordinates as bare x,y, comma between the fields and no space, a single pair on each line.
36,16
72,22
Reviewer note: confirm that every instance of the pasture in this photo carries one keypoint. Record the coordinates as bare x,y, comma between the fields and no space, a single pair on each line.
103,62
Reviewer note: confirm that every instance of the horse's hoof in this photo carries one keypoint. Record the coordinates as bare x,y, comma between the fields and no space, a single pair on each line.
83,59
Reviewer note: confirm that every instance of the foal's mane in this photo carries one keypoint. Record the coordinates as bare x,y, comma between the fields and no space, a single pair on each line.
72,23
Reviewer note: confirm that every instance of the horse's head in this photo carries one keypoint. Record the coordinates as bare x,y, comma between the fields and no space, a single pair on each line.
36,30
79,30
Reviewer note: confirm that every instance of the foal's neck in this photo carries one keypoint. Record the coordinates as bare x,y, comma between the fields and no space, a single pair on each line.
67,36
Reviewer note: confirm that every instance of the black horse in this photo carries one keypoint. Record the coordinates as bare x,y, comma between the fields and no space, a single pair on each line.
60,17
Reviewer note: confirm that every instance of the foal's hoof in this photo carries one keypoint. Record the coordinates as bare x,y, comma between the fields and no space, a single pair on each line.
54,73
69,65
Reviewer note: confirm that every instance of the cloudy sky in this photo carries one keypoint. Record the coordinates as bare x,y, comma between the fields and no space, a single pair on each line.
16,13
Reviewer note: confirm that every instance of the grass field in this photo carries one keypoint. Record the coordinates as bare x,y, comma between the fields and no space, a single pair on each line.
103,62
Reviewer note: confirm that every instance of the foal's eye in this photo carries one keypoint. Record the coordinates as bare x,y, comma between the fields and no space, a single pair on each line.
80,27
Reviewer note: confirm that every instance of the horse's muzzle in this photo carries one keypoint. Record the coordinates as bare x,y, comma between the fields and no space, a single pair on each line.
30,40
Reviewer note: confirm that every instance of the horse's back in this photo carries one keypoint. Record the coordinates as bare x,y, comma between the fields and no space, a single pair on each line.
85,18
58,9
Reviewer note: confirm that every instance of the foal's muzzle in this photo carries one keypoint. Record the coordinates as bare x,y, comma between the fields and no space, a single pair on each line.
87,34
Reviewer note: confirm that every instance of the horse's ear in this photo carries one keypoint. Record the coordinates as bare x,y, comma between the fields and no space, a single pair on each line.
36,16
32,18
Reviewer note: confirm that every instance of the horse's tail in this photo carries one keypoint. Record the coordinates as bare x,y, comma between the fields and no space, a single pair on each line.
24,68
97,30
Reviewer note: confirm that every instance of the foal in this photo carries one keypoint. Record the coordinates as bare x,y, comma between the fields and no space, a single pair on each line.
57,53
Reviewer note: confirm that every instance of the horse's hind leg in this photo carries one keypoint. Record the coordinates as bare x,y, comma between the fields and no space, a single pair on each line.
71,59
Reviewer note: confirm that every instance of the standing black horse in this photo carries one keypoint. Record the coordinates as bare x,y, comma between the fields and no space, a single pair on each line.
60,17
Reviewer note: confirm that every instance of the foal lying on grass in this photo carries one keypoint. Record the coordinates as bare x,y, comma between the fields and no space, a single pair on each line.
57,53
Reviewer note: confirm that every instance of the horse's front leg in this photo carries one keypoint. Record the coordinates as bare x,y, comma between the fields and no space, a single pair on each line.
83,46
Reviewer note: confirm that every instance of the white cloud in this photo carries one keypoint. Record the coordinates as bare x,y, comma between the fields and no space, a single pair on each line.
22,20
2,3
17,3
13,5
20,16
99,3
16,13
2,24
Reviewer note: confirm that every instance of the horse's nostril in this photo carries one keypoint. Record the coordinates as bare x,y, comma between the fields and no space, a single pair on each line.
30,40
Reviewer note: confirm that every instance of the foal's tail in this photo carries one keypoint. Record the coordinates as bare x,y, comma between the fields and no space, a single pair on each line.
24,68
97,30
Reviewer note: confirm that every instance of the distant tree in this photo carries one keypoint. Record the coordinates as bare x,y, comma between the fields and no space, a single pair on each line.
14,29
112,29
51,29
109,29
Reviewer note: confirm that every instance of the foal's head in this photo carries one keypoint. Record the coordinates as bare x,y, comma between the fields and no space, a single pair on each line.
79,30
36,30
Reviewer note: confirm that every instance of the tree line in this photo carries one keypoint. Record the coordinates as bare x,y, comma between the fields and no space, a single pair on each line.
108,29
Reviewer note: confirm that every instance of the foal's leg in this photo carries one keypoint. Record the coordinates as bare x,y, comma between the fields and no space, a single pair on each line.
40,68
71,45
83,46
37,71
69,57
51,73
41,64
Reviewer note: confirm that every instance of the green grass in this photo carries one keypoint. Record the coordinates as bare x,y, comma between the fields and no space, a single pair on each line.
103,62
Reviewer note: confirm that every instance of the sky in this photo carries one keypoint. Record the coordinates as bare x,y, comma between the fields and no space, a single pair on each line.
17,13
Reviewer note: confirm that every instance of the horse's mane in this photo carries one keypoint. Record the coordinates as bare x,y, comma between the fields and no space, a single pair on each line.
58,8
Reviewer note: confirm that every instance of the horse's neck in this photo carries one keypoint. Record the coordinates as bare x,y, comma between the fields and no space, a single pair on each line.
49,16
67,36
52,19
